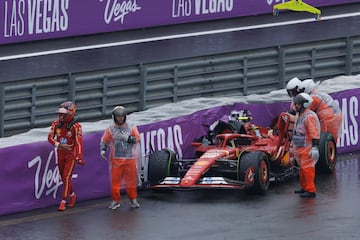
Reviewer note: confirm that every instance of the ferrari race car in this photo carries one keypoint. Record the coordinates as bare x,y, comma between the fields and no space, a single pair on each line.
236,155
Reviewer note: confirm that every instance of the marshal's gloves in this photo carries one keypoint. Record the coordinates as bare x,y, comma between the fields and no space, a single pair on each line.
131,140
314,153
103,154
127,138
103,147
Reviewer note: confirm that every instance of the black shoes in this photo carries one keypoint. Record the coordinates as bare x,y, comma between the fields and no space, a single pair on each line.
299,190
308,194
304,193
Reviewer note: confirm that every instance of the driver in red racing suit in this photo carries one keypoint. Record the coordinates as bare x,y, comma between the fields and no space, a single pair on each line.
306,144
242,120
66,135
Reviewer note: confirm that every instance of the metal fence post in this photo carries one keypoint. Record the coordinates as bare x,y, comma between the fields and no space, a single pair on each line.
2,111
349,54
33,106
282,67
104,96
313,62
175,84
245,76
72,88
143,86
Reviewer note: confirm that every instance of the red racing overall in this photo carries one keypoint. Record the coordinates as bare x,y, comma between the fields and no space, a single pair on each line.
66,135
67,158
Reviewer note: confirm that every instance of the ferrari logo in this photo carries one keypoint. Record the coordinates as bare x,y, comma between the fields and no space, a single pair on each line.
250,175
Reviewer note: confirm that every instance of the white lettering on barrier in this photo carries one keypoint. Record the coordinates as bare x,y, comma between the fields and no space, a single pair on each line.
203,7
14,24
50,178
117,11
181,8
350,129
184,8
46,180
271,2
43,16
170,138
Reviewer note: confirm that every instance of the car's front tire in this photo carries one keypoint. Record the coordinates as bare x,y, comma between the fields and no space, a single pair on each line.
161,164
254,168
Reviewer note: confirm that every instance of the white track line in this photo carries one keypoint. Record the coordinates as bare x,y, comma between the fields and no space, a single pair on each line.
167,37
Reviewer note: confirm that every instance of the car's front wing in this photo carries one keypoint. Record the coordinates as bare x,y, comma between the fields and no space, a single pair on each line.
204,182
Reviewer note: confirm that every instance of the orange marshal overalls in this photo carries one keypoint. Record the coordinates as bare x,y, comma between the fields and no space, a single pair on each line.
328,112
307,127
123,157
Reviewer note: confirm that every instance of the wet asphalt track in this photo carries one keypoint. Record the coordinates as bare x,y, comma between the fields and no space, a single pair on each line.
208,214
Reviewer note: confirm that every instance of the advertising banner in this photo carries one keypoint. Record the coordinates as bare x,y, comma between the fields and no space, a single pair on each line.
30,179
29,20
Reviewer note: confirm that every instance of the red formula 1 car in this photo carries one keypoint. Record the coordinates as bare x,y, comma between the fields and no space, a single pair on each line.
236,155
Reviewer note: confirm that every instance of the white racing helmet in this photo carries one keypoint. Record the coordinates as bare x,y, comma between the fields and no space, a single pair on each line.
293,87
308,85
243,116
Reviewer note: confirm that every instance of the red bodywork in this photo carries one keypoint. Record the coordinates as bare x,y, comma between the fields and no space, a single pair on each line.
204,163
228,151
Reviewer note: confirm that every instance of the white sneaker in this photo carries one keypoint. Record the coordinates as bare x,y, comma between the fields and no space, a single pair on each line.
134,203
114,205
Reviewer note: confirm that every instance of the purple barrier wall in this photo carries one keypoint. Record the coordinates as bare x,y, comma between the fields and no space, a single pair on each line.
28,20
29,177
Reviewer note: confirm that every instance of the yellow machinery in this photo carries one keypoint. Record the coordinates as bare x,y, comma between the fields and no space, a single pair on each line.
296,5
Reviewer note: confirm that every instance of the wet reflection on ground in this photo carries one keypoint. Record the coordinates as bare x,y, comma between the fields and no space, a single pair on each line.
208,214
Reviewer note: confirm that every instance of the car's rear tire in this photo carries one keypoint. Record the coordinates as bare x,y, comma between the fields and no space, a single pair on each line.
254,167
327,151
161,164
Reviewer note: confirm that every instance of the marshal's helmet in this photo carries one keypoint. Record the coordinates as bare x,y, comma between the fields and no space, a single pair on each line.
308,86
304,100
118,111
66,111
293,87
